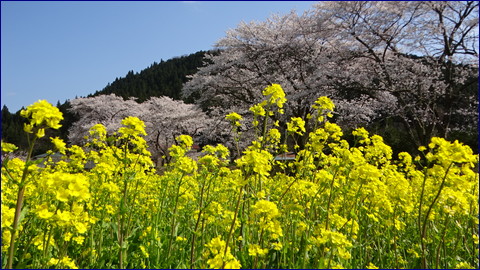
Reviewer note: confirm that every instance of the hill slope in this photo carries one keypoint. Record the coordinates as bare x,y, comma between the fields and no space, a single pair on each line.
160,79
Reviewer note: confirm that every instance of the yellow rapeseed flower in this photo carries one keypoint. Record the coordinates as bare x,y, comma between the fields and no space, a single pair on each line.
7,216
78,239
234,118
42,211
296,125
134,127
8,147
277,96
42,113
324,103
257,160
216,247
53,261
59,144
68,263
463,265
181,239
185,141
144,251
258,109
255,250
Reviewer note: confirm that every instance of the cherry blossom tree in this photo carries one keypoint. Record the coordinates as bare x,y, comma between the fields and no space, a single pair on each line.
415,62
280,50
104,109
430,89
164,120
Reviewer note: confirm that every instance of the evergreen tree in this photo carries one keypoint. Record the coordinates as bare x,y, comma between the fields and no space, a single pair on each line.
160,79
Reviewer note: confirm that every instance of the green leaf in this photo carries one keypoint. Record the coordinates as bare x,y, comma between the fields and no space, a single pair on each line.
23,213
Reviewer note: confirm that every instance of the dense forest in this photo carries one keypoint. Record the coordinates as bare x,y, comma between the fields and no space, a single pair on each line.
160,79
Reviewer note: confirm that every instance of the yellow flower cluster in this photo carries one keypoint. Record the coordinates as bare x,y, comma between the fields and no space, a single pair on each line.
8,147
41,115
258,161
296,125
64,262
266,213
221,259
257,110
334,241
234,118
324,107
276,95
256,250
133,127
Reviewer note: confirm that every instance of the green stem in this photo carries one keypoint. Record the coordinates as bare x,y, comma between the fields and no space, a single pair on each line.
442,243
286,190
192,248
395,237
330,255
419,221
261,246
19,204
424,226
264,130
120,241
330,199
240,193
121,223
172,225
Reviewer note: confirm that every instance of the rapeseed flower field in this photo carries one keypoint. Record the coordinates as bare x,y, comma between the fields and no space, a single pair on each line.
335,206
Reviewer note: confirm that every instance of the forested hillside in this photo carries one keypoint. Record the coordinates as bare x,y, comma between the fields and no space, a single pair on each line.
160,79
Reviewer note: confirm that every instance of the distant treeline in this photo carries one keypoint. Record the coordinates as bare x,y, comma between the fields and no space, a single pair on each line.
160,79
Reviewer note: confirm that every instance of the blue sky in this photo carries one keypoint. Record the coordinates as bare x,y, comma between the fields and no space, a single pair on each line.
59,50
